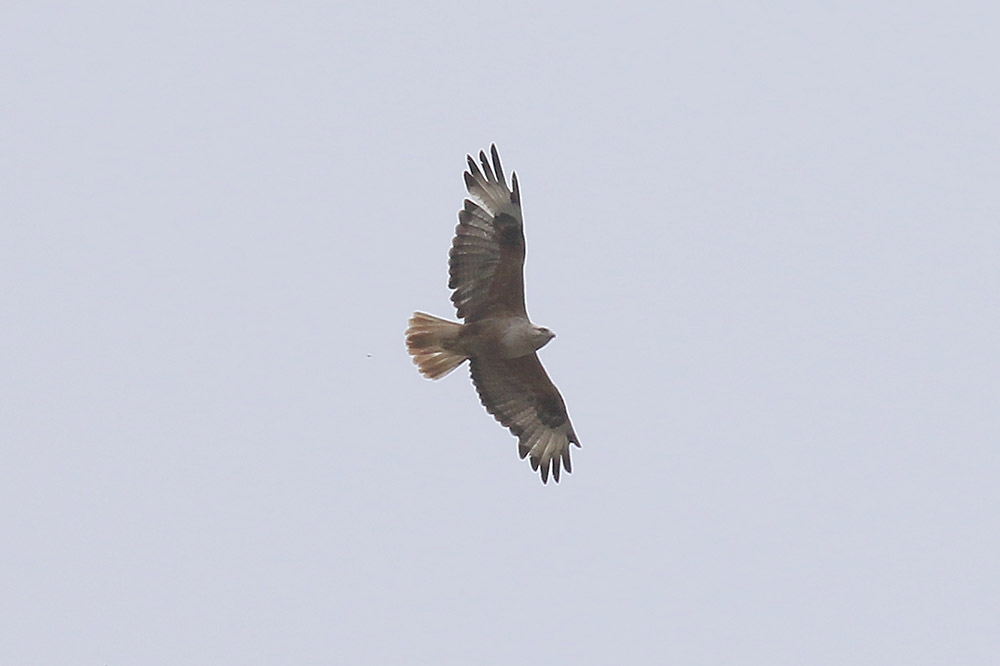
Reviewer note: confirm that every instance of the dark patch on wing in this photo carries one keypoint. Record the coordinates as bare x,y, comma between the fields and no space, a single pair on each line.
509,230
551,410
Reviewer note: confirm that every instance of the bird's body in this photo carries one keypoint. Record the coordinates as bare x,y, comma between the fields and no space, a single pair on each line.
502,337
486,270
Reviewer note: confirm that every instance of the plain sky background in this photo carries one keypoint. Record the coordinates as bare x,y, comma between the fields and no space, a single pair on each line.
767,235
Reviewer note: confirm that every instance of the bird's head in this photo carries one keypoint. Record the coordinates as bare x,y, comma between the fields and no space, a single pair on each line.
543,335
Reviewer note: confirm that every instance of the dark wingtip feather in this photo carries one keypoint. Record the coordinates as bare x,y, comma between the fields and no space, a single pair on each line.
473,171
515,196
497,167
486,167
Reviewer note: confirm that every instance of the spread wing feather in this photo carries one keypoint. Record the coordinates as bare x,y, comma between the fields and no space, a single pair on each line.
520,395
486,262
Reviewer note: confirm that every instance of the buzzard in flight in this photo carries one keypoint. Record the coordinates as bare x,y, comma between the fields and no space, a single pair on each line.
486,268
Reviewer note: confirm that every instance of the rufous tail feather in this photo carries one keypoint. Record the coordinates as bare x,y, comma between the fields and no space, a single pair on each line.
427,339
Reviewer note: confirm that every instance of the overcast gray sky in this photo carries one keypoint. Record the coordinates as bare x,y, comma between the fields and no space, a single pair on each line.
768,237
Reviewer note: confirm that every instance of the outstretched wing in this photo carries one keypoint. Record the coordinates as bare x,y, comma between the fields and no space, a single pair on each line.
520,395
486,262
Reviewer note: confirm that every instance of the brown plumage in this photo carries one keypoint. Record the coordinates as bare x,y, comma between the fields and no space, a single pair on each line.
486,272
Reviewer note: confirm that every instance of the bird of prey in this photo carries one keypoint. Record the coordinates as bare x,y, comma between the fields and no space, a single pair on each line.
486,269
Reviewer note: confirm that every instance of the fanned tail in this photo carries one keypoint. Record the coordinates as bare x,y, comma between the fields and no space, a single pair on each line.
427,339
